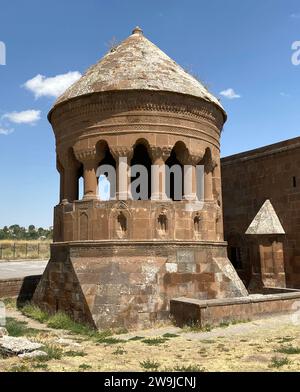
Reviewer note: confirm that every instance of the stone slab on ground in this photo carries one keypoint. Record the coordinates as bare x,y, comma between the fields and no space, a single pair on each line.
33,354
11,345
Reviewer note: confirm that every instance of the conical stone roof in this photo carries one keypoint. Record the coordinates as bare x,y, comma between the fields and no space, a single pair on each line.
266,221
137,64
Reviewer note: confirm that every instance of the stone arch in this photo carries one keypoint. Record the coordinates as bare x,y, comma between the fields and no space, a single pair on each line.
209,166
83,226
163,223
197,221
144,142
70,170
105,158
207,160
141,156
120,221
175,163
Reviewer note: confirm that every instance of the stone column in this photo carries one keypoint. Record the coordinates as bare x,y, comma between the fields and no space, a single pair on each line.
122,156
88,158
71,183
217,194
60,170
217,188
190,177
208,180
68,169
158,172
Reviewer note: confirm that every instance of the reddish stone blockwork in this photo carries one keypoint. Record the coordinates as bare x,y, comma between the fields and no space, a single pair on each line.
248,180
118,263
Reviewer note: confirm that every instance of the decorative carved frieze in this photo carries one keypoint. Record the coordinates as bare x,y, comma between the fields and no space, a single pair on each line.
160,152
129,102
86,154
121,151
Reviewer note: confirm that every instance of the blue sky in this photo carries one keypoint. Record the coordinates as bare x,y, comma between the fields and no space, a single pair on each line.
230,44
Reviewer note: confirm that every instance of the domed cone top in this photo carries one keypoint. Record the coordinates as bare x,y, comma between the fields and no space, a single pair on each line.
137,64
137,30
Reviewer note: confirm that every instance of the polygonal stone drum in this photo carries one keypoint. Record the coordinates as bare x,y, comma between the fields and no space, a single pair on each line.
118,262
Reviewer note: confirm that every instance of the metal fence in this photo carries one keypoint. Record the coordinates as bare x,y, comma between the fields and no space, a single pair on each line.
24,250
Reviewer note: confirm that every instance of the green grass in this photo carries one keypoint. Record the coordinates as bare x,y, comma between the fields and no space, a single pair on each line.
279,362
110,340
61,320
19,328
119,351
155,341
196,327
208,341
84,366
19,368
285,339
10,303
135,338
34,312
149,365
52,351
188,368
74,353
43,366
170,335
224,324
288,350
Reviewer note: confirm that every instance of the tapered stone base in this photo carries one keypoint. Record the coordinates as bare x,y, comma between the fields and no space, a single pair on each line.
129,284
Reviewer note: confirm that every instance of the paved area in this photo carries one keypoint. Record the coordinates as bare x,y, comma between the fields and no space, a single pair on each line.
20,269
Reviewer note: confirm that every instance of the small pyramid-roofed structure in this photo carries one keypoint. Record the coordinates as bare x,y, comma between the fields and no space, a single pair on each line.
137,64
266,221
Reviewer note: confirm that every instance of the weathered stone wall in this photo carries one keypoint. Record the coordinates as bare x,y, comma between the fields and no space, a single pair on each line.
97,220
22,288
130,284
248,179
214,312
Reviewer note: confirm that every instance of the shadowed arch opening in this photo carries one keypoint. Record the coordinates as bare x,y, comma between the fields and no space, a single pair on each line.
72,173
175,189
141,156
106,190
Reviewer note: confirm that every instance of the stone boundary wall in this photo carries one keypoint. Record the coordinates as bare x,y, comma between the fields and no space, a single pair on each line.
22,288
216,311
278,290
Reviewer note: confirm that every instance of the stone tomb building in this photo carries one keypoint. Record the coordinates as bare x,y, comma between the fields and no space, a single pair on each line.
249,179
117,263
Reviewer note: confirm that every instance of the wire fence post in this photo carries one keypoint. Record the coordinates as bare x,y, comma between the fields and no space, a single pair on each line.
38,249
14,250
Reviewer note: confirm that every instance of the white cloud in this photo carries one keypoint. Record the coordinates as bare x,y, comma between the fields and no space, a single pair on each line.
230,94
295,15
41,86
6,131
24,117
284,94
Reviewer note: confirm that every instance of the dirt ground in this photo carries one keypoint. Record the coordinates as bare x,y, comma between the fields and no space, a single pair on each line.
271,344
